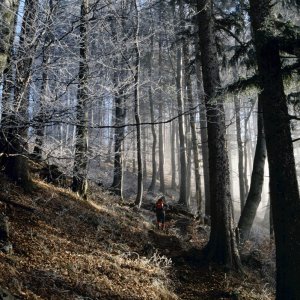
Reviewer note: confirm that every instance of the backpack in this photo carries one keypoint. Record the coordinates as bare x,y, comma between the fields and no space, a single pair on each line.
159,205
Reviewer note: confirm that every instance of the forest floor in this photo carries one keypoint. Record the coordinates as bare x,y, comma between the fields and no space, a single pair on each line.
67,248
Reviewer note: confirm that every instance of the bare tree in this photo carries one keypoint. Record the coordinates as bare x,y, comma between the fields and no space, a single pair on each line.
160,110
80,183
179,87
8,11
16,162
192,121
153,131
138,200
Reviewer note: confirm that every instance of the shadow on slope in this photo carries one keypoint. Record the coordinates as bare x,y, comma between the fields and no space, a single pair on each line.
65,248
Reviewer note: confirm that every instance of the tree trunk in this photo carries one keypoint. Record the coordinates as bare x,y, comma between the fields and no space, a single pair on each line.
237,105
145,139
80,184
182,154
8,83
40,126
120,117
161,151
188,151
203,128
194,139
160,126
284,192
139,196
154,136
179,87
173,154
16,162
246,140
221,247
134,153
257,180
8,10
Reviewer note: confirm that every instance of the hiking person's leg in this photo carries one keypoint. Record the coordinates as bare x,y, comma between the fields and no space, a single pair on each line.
157,220
163,221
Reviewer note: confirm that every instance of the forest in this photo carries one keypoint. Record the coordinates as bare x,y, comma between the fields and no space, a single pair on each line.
106,106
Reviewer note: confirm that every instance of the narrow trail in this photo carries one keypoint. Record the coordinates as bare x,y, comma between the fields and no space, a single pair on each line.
182,242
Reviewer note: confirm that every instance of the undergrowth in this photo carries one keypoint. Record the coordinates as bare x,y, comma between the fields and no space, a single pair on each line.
67,248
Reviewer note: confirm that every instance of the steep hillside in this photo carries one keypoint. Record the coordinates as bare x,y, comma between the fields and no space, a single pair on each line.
66,248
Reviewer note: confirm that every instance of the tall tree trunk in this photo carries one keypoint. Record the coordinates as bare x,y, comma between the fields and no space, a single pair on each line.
40,126
180,100
139,196
134,154
221,247
161,150
257,179
40,129
188,143
16,162
80,184
246,141
8,83
154,135
160,126
284,192
173,154
145,139
8,10
203,127
237,105
192,119
182,154
120,117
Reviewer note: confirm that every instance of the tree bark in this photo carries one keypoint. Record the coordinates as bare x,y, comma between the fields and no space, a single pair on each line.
203,127
284,192
8,10
221,247
8,82
80,184
153,131
40,126
179,87
139,196
162,187
257,180
237,105
16,162
192,121
246,159
173,154
120,117
145,139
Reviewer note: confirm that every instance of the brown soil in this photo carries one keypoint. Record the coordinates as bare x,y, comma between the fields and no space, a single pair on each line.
66,248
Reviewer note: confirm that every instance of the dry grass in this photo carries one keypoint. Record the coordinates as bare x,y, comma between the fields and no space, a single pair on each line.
67,248
71,249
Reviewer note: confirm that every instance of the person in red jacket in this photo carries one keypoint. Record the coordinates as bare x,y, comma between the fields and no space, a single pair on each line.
160,209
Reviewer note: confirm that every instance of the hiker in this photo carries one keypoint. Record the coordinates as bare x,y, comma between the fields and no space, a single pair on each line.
160,209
